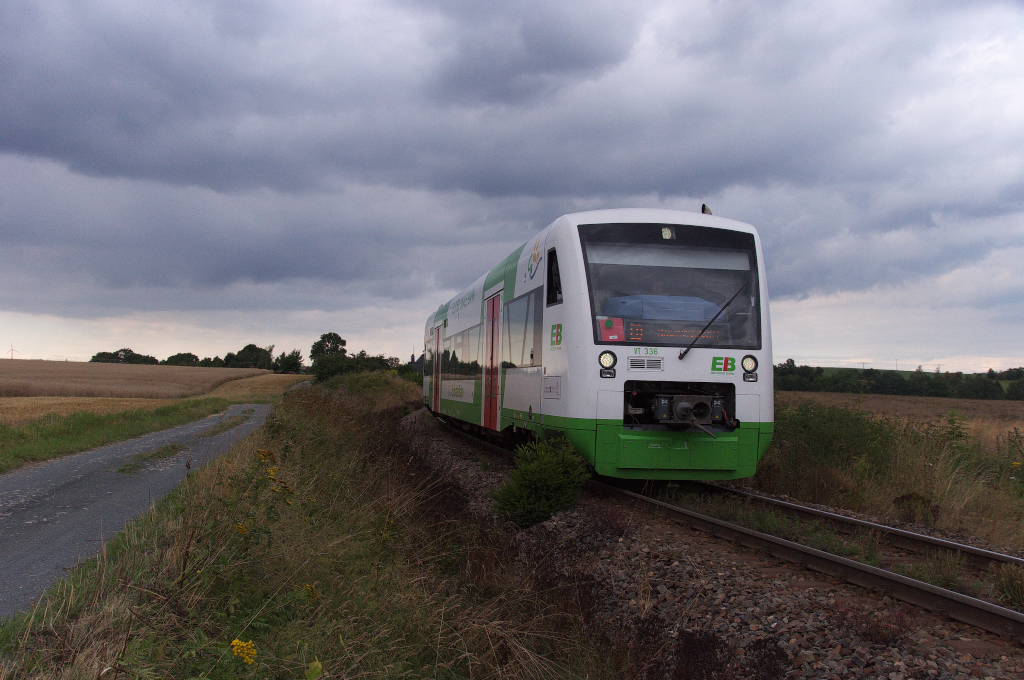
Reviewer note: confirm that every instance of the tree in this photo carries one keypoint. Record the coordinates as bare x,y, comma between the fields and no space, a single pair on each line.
1015,390
123,356
329,344
182,359
249,356
289,363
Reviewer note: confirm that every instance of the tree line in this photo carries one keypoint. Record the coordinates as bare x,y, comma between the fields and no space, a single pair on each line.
790,377
250,356
329,356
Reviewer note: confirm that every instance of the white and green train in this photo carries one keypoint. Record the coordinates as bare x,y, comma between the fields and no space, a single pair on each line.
641,335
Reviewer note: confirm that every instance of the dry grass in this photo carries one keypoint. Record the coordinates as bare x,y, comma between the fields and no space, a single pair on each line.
32,378
904,458
323,542
985,419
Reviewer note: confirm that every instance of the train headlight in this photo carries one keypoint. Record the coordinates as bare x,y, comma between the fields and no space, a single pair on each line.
749,363
607,359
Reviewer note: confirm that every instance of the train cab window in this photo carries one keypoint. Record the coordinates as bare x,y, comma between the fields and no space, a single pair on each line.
671,285
554,280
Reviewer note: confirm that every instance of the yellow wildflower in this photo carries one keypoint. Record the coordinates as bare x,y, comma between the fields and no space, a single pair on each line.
246,651
272,472
240,528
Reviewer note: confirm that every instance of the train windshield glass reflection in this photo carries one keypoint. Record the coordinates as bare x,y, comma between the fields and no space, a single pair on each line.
646,289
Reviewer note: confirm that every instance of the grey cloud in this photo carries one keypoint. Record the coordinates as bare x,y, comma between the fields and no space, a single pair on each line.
514,52
220,146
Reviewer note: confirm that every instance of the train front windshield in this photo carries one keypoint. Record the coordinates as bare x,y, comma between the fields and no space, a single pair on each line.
661,284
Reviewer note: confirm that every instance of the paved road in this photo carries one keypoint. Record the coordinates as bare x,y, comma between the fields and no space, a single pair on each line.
56,513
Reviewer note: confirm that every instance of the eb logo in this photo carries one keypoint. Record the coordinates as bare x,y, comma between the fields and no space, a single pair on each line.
556,334
723,364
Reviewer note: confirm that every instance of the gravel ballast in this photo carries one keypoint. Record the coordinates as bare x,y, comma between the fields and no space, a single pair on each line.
690,605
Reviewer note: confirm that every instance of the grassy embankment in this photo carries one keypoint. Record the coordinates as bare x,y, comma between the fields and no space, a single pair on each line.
39,428
940,473
317,545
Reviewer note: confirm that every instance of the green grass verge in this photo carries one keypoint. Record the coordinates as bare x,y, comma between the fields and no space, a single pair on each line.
53,436
317,546
226,424
139,460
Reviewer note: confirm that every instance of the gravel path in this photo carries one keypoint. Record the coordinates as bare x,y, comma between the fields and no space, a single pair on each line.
55,513
694,605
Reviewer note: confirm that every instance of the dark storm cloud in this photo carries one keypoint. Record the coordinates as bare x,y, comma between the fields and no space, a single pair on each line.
513,52
369,146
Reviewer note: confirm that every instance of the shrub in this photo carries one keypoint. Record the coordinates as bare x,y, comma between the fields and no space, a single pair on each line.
547,478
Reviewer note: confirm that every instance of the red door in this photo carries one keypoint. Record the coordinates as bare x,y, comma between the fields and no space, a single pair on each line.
435,383
492,366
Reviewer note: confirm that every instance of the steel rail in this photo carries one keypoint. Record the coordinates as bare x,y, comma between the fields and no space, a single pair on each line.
1004,622
899,538
989,617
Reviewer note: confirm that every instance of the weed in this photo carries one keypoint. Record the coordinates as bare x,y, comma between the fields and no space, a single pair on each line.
941,568
225,424
139,460
1010,585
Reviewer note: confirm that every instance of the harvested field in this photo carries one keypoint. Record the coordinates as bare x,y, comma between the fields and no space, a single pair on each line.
264,386
33,378
19,410
924,409
984,418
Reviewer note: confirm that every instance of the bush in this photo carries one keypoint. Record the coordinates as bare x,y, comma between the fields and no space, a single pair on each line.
547,478
329,365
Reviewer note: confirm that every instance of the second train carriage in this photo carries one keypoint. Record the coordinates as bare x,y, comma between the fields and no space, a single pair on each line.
641,334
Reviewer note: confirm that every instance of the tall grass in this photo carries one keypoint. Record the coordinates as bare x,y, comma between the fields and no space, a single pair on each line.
55,435
319,545
939,475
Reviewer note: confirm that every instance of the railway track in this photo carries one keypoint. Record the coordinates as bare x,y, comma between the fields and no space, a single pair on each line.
984,615
899,538
1001,621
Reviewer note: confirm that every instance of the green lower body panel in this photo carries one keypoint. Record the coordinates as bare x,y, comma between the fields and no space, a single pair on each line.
615,451
674,454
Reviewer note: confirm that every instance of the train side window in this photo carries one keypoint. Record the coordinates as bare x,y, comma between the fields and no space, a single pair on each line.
554,280
523,329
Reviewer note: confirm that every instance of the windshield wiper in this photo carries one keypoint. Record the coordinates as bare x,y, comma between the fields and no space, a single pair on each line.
684,352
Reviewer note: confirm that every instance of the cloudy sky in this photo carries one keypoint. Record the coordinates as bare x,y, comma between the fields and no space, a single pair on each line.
197,175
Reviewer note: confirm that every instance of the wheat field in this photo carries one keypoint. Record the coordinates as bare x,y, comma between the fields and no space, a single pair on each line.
20,410
34,378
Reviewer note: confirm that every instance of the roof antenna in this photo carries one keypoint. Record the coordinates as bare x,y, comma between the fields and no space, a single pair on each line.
705,209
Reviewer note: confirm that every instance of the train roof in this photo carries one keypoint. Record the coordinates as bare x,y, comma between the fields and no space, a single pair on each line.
608,216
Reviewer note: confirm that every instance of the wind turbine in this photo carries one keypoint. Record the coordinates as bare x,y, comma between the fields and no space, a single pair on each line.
13,351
